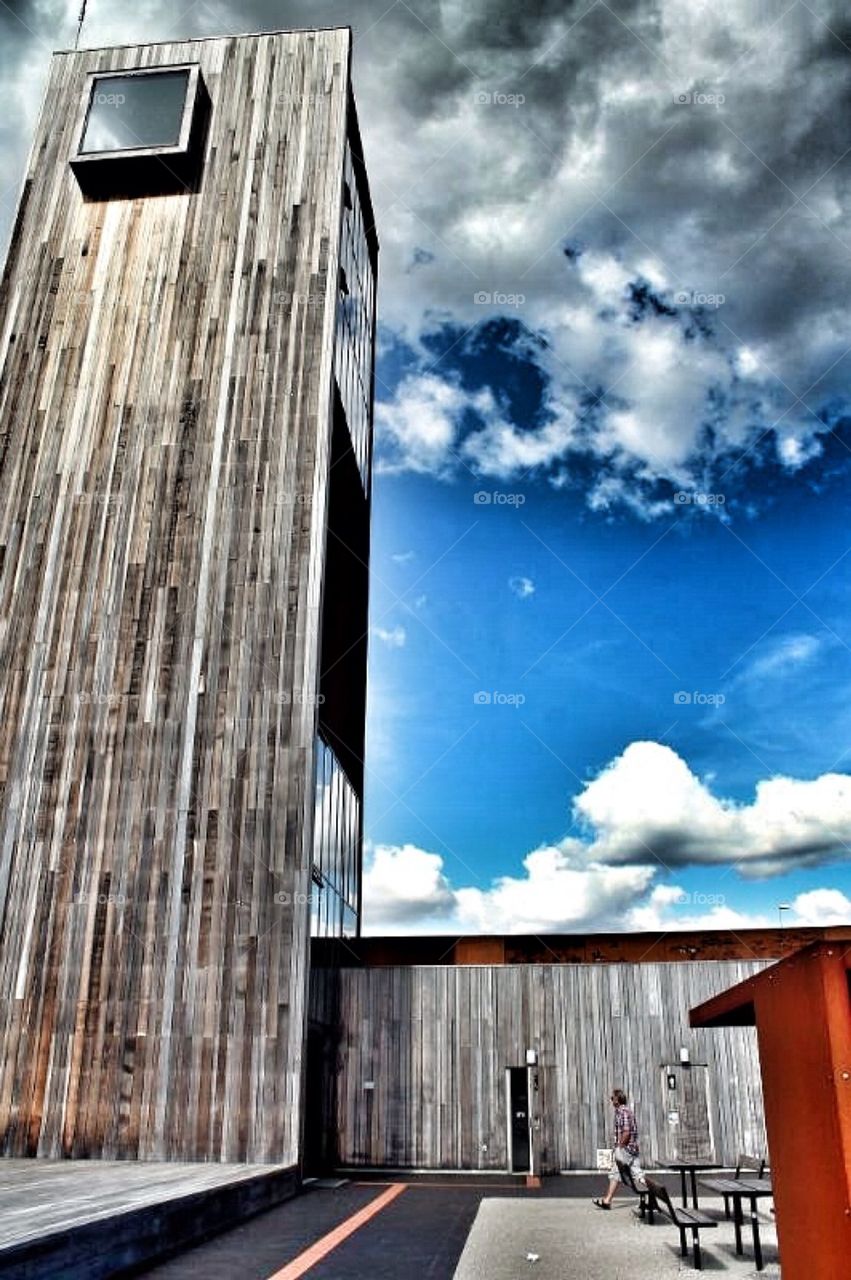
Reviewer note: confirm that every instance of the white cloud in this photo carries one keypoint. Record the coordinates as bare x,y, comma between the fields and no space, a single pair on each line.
797,447
554,895
644,816
402,557
821,907
670,907
648,804
687,208
783,655
395,637
503,450
523,588
407,890
418,429
405,885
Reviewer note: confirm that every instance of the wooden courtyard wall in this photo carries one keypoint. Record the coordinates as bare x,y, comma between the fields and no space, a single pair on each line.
165,378
435,1042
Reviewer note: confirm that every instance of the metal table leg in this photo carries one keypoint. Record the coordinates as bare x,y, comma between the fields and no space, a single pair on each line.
757,1243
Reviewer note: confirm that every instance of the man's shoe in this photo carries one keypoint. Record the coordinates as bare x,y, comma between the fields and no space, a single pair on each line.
601,1204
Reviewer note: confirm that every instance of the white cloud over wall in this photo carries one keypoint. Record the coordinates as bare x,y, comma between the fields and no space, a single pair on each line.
648,803
645,817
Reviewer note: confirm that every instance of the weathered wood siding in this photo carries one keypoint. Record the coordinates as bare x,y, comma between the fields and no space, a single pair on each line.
165,379
436,1042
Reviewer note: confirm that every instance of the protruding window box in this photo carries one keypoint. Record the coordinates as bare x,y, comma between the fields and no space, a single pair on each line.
141,132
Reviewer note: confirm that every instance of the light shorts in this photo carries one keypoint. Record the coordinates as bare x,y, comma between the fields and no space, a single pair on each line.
633,1163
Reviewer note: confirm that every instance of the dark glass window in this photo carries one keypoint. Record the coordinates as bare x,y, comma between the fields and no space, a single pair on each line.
336,849
353,346
130,112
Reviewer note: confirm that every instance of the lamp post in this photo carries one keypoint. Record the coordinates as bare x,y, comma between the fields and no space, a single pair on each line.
781,907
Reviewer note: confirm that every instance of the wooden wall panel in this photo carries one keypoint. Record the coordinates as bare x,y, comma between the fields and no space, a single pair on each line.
165,376
435,1042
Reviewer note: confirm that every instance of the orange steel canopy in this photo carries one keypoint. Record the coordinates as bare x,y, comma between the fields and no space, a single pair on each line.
801,1008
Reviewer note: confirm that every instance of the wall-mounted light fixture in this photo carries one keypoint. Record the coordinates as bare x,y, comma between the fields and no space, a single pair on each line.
531,1057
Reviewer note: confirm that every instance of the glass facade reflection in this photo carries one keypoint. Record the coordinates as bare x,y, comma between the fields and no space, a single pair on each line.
336,849
353,346
129,112
335,891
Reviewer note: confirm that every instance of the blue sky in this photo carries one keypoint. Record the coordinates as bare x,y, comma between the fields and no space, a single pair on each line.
588,624
614,302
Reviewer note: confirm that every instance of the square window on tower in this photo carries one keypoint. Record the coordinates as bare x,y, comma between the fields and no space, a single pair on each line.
141,132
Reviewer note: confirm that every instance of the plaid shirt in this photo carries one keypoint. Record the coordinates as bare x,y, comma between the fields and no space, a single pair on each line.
626,1130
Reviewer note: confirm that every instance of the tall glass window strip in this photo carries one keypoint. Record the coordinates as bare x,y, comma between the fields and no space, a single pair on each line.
336,849
353,352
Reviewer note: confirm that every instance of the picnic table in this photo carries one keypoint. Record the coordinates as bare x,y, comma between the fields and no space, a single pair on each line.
691,1168
740,1189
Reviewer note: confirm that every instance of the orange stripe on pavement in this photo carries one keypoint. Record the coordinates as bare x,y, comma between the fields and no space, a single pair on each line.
453,1186
323,1247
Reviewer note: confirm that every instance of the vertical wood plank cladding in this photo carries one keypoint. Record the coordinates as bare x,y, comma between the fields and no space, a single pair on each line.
165,375
436,1041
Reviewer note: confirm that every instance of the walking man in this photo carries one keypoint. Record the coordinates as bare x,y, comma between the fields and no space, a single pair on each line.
625,1153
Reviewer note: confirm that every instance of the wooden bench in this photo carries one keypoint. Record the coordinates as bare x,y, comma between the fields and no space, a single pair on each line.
745,1165
683,1219
629,1181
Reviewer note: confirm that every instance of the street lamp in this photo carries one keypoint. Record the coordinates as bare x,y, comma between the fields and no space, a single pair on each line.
781,907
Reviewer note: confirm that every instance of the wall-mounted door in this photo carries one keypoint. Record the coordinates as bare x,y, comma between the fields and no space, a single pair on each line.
519,1120
685,1098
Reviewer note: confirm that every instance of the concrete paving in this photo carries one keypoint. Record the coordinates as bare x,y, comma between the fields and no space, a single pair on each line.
468,1228
572,1240
419,1235
85,1219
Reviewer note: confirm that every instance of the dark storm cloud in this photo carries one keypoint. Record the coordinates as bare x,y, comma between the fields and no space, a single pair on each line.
13,13
693,151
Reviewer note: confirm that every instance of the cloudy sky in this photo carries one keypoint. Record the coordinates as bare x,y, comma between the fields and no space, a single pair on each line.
610,661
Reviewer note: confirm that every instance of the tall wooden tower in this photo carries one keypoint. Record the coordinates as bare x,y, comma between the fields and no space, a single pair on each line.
186,355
